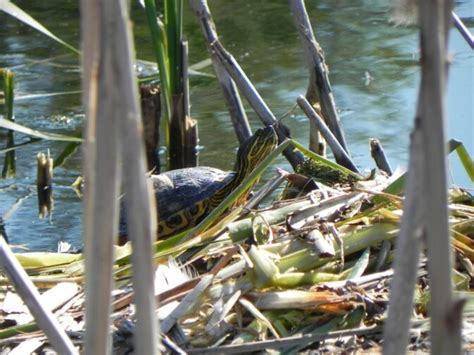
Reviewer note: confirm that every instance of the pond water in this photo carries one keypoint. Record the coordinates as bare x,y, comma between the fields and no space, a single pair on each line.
358,41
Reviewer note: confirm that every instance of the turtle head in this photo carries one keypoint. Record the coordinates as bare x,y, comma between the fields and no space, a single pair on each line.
255,149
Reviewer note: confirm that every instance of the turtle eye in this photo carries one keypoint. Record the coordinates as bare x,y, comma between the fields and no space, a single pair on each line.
160,228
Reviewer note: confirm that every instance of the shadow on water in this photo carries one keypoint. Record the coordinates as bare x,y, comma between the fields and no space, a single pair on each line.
373,70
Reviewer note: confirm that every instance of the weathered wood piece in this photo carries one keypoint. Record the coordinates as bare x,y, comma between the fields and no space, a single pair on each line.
30,295
319,89
113,131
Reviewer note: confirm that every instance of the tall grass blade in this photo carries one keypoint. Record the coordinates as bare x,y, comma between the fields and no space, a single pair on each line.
173,26
35,133
45,95
463,155
68,150
19,145
159,46
14,11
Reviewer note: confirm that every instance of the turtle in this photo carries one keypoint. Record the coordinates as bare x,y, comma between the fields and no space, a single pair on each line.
184,197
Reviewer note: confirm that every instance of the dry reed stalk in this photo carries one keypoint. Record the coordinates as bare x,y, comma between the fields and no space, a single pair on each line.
319,89
30,295
44,184
229,89
111,101
426,206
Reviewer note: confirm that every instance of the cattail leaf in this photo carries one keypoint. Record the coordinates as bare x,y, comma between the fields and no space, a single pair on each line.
15,11
35,133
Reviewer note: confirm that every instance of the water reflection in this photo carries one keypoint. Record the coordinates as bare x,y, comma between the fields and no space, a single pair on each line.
373,70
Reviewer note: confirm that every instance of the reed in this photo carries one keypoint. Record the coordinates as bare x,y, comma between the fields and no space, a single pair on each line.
15,11
261,281
9,165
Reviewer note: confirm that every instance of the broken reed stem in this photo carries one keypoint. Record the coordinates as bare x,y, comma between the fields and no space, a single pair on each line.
185,78
101,171
406,260
141,216
150,96
339,153
44,184
244,84
255,100
425,213
9,165
190,124
183,129
30,295
379,156
229,89
445,312
319,89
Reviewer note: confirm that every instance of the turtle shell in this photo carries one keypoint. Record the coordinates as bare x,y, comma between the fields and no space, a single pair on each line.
181,189
181,197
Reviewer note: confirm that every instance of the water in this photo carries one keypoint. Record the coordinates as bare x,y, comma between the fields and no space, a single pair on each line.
357,40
